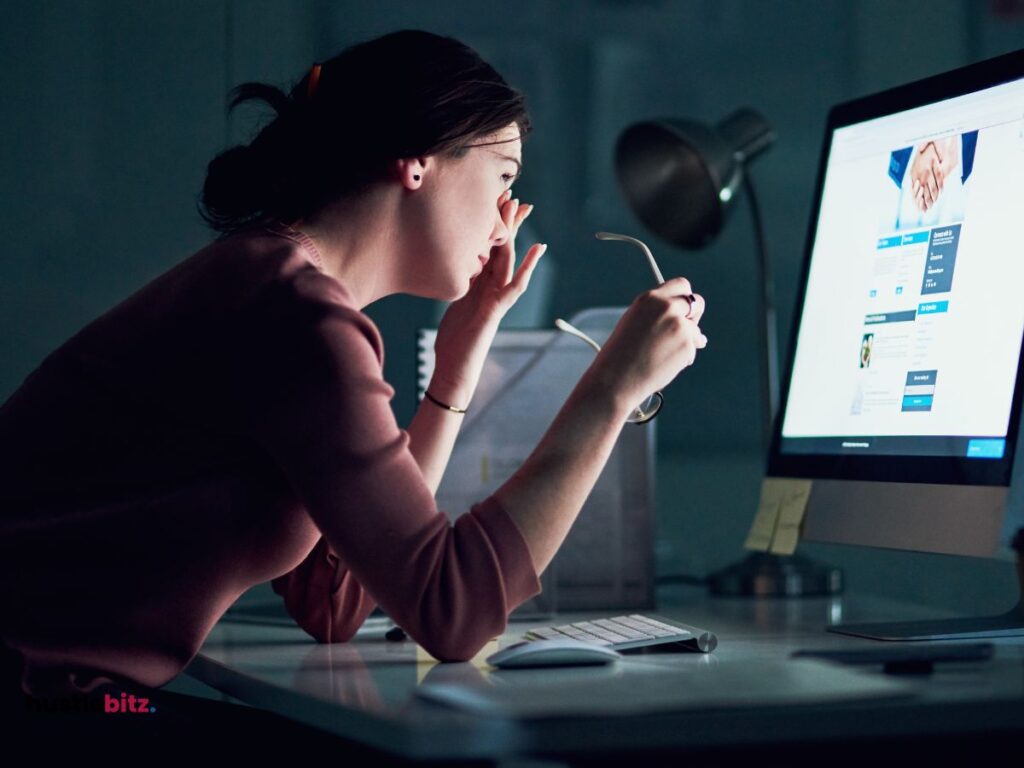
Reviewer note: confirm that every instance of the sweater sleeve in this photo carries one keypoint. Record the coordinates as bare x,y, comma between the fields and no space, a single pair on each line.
323,596
316,400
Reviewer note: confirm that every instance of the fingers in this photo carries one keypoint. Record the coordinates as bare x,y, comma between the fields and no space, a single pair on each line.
521,214
699,339
512,206
522,278
927,175
504,264
695,313
518,212
677,286
509,214
924,197
680,288
933,183
696,308
507,205
930,145
513,214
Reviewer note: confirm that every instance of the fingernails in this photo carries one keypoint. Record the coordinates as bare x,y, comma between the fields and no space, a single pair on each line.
543,249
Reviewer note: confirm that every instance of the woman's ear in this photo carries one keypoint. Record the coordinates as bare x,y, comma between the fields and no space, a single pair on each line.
412,172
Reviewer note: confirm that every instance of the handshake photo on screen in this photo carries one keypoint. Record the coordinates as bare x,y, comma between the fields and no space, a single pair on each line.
931,178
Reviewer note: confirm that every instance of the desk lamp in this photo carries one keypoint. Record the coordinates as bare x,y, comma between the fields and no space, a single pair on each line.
680,178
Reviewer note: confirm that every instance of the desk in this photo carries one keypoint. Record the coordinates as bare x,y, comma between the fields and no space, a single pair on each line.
365,690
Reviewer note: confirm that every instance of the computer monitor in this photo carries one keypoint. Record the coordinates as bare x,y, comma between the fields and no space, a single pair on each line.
902,401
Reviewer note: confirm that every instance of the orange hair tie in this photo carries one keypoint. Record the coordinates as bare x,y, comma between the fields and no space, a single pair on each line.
314,78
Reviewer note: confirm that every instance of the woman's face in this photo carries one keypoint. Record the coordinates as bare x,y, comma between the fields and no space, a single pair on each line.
460,220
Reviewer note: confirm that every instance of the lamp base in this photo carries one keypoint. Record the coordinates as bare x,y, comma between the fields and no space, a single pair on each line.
762,574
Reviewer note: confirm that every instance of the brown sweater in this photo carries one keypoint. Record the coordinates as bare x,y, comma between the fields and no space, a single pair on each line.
226,425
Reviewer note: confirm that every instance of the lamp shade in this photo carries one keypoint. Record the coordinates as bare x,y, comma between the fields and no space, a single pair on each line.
680,177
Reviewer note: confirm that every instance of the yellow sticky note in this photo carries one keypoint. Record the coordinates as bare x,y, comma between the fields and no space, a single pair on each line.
795,496
424,661
763,528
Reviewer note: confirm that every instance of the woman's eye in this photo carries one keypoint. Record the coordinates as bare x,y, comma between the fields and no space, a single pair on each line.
507,177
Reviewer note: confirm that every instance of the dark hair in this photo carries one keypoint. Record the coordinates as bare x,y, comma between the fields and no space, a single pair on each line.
406,94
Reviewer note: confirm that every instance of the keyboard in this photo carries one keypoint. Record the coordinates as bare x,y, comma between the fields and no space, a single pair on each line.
634,631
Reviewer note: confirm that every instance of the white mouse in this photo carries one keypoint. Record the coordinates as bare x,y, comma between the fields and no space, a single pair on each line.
552,653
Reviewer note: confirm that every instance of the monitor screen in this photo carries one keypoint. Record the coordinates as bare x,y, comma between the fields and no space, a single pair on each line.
908,339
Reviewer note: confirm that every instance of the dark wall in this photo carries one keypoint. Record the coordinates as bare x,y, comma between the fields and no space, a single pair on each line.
111,110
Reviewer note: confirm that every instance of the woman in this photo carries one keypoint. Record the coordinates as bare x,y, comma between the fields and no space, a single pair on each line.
229,424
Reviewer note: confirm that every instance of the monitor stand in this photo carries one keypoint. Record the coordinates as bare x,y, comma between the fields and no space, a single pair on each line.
1009,624
764,574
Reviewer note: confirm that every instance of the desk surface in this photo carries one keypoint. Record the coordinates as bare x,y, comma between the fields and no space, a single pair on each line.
746,691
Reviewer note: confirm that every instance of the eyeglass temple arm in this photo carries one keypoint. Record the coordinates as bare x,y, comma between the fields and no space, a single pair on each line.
568,328
638,244
571,329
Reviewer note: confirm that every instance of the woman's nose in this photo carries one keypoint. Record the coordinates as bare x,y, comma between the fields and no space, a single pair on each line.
501,232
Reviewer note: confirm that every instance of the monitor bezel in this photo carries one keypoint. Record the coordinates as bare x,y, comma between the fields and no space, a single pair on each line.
951,470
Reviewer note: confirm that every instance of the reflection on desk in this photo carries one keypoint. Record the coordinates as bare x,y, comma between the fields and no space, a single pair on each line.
386,695
658,684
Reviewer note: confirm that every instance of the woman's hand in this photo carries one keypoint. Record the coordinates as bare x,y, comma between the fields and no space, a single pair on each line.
656,338
926,176
492,293
467,329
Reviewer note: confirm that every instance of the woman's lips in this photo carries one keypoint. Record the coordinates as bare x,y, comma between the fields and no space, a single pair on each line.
483,263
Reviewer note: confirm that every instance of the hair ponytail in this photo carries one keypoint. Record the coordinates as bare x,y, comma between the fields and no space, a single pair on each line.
237,184
272,95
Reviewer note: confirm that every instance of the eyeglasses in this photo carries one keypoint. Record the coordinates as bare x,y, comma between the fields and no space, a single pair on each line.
650,407
639,244
644,412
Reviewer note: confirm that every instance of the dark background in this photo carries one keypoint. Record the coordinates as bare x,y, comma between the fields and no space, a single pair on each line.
111,111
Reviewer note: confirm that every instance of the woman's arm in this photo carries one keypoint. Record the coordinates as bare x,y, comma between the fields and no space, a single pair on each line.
464,337
433,430
312,395
323,596
654,340
546,493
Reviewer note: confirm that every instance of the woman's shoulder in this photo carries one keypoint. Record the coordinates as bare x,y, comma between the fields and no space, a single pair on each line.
268,263
264,254
289,295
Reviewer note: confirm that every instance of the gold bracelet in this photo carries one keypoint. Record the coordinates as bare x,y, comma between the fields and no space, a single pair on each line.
451,408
